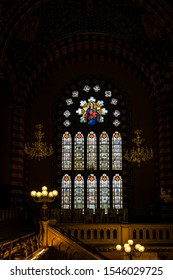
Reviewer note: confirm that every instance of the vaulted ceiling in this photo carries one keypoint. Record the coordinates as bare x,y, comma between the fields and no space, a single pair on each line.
36,36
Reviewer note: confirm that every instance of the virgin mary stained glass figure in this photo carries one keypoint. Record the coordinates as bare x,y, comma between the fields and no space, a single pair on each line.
92,112
92,115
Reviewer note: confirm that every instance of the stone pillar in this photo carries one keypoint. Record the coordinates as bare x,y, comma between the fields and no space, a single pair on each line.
125,233
165,151
17,156
44,233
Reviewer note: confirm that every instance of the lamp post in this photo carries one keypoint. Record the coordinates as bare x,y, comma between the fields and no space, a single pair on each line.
44,197
131,249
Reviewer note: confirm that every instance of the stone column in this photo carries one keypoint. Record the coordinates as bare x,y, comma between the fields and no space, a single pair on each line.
44,233
125,233
17,156
165,151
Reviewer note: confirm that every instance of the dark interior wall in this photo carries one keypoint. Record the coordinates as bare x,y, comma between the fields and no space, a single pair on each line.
5,126
140,106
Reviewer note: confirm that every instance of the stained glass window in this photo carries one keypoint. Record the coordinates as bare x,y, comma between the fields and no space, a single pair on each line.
75,94
79,151
66,123
67,113
96,88
91,151
92,111
86,88
104,193
79,192
92,192
69,101
108,93
116,113
117,192
116,151
116,122
92,147
114,101
66,192
104,151
66,151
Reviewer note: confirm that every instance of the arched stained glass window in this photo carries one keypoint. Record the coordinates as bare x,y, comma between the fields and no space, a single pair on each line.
66,151
79,151
104,151
93,122
117,192
79,192
116,151
104,193
92,192
66,192
91,151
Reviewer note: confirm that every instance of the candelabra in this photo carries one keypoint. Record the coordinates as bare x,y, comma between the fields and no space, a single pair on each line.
39,149
138,154
44,197
130,249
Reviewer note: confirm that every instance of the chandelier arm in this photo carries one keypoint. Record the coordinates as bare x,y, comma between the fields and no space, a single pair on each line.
39,149
138,154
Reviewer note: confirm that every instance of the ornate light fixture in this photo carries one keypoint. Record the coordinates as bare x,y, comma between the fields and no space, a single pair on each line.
44,197
138,154
130,249
39,149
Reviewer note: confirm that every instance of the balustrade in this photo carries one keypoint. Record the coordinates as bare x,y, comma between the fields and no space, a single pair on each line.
114,232
20,248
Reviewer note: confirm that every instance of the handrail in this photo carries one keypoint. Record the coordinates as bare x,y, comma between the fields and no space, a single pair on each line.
79,242
18,245
17,239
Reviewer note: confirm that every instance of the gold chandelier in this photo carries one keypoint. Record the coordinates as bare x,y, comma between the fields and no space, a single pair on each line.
138,154
39,149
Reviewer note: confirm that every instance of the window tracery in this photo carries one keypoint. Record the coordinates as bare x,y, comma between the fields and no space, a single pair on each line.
86,150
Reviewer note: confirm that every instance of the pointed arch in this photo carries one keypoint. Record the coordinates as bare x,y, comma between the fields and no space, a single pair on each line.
116,151
79,151
92,192
117,192
91,151
104,193
66,151
79,192
66,192
94,148
104,151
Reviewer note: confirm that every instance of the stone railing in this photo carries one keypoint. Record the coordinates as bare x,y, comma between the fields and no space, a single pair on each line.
69,240
120,233
155,233
67,247
20,248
